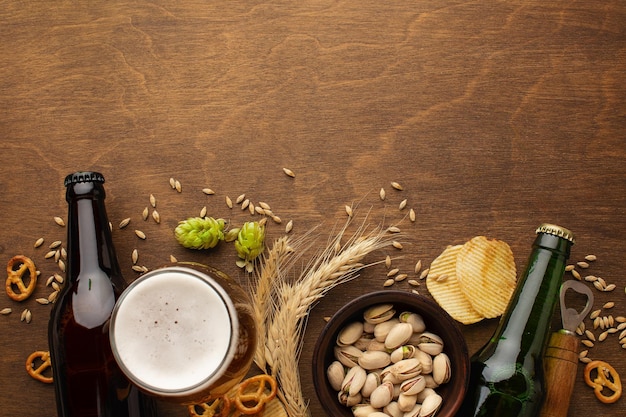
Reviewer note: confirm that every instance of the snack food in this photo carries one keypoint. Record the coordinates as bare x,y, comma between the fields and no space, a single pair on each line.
220,407
256,398
21,278
606,377
447,292
37,372
486,274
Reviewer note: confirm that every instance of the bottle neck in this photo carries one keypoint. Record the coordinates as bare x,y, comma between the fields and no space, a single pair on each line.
525,325
90,245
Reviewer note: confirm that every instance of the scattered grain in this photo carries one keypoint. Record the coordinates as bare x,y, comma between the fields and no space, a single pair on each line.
153,201
590,258
178,186
382,194
229,202
134,256
349,211
289,226
203,211
208,191
620,319
26,315
413,282
609,304
576,274
598,285
289,172
59,221
415,292
277,219
43,301
264,205
582,264
595,314
591,278
610,287
124,223
172,183
584,360
5,311
393,272
418,266
393,229
251,208
57,255
583,354
397,186
424,273
397,244
388,261
602,336
240,198
141,235
58,278
589,334
50,254
53,296
412,215
173,259
402,204
400,277
569,268
389,282
587,343
145,213
39,242
156,217
245,203
50,281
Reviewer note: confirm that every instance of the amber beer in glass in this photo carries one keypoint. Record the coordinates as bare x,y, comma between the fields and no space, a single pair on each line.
184,333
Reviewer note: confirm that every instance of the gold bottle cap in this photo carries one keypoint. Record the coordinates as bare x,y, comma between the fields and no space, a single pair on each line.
553,229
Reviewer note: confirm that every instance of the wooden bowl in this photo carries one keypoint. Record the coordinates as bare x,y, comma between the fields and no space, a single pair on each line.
436,320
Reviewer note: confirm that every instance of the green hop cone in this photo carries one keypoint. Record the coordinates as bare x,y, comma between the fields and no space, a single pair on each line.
200,232
250,241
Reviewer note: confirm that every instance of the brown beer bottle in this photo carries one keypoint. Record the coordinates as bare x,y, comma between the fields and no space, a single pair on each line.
87,379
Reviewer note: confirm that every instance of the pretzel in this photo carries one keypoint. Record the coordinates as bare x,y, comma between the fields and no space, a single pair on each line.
17,267
37,373
607,377
258,398
220,407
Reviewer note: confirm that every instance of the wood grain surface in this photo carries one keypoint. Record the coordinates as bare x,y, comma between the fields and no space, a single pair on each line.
495,116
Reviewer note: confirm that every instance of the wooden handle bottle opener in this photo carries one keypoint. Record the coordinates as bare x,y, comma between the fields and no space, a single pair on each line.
561,357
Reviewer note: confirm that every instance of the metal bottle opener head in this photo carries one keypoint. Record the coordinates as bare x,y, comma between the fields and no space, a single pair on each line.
571,317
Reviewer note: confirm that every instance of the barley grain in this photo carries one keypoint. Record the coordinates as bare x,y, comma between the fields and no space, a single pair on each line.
591,278
582,264
595,314
178,186
596,322
585,360
50,281
413,282
389,282
382,194
609,304
289,172
418,267
575,274
590,258
610,287
124,223
39,242
58,278
141,235
388,261
172,183
400,277
349,211
63,253
251,208
229,202
580,329
393,229
134,256
208,191
53,296
43,301
203,212
156,217
397,245
244,203
598,285
402,204
590,335
412,215
587,343
622,335
152,200
289,226
569,268
173,259
137,268
583,354
602,336
424,273
57,255
59,221
264,205
393,272
620,319
145,213
49,254
5,311
397,186
415,292
277,219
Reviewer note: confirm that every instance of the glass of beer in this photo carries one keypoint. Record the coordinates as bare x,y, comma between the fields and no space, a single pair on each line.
184,333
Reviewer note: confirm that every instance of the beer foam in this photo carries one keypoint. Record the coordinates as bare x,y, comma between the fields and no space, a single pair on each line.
174,330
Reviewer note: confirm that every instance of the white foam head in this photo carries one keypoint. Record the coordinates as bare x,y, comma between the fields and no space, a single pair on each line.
173,331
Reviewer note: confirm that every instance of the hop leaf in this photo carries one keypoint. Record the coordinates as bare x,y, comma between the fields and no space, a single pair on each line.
200,232
250,241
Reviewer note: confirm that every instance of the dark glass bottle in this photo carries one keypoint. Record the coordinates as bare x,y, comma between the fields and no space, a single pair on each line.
506,376
87,379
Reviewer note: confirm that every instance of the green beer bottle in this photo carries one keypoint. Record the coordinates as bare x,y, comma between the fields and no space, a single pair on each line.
506,375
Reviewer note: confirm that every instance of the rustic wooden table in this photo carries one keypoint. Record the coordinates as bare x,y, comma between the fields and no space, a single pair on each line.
494,116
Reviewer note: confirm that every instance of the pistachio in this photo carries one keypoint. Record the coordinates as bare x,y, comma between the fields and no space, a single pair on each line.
348,355
430,405
374,359
392,409
441,368
414,319
430,382
354,380
382,329
430,343
335,374
425,393
398,335
425,359
415,412
379,313
363,341
413,386
405,369
363,410
375,345
382,395
403,352
348,400
350,334
406,402
371,382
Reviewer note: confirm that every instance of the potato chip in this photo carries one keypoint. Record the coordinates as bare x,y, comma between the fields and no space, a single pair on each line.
485,271
444,287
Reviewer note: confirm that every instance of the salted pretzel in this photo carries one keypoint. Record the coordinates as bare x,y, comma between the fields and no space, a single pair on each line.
220,407
18,268
256,399
37,372
607,377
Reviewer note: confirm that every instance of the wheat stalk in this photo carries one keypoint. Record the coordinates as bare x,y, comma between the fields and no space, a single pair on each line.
287,317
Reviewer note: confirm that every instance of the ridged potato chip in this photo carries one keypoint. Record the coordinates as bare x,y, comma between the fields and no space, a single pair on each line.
447,292
486,274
